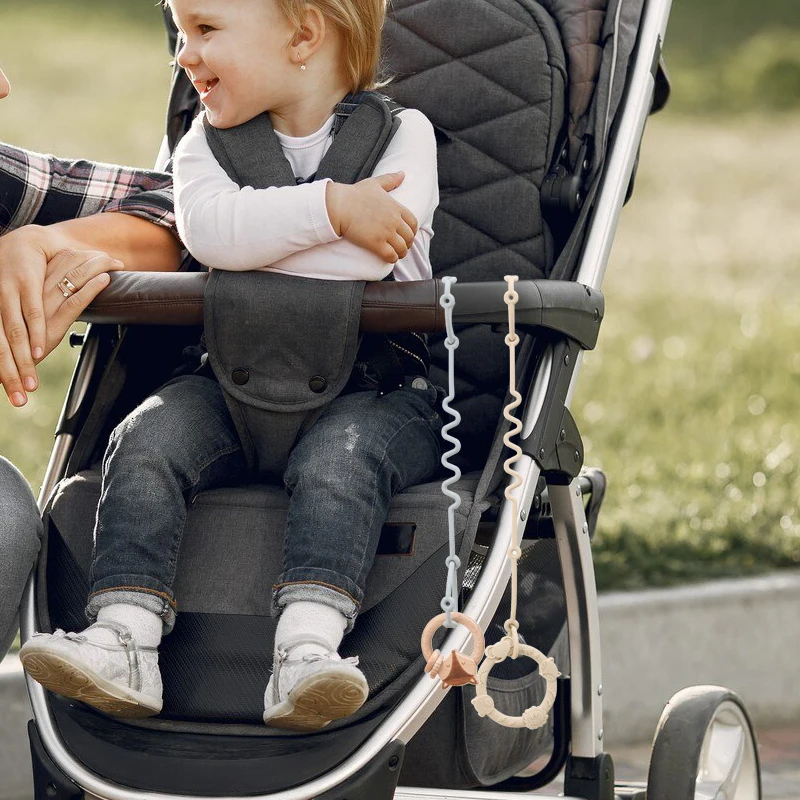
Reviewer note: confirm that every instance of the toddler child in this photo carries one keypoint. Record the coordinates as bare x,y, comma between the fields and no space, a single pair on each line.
296,60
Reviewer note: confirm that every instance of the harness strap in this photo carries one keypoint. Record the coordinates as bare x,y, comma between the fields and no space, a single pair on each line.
274,399
364,124
391,357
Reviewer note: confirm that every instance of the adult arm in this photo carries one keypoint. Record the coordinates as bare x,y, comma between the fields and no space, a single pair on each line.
34,315
36,188
48,205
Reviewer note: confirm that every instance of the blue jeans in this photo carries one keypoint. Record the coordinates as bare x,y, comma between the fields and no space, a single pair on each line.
341,477
20,536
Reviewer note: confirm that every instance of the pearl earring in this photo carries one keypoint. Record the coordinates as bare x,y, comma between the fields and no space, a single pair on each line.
302,66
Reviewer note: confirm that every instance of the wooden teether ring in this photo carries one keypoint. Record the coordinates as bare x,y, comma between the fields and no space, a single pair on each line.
456,669
533,717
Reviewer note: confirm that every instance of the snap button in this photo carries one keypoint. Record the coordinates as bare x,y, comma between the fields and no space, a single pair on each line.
240,376
419,383
318,384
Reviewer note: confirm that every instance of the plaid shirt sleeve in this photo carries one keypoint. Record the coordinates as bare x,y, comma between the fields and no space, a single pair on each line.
40,189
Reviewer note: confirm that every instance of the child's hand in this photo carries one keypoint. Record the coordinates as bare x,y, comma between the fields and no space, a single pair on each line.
365,214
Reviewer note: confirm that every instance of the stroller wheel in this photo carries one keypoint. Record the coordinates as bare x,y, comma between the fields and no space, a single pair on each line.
704,749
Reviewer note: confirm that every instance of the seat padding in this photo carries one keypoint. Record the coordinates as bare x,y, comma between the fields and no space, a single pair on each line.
233,544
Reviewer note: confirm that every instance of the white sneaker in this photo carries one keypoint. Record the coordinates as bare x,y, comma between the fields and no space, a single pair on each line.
308,693
120,679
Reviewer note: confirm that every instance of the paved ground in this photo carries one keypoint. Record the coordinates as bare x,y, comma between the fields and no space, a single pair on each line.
780,763
779,750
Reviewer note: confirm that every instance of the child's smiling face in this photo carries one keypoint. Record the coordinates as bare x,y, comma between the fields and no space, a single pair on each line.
238,55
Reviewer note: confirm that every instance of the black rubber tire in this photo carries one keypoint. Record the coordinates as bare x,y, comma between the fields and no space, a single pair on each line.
677,746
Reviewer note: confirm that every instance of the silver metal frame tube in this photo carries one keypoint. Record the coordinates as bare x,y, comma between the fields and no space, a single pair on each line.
583,622
455,794
622,152
568,513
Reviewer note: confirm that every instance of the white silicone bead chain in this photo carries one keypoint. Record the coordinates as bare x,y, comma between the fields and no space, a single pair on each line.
457,669
536,716
450,600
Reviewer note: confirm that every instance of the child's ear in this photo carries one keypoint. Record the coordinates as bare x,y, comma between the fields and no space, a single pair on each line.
311,34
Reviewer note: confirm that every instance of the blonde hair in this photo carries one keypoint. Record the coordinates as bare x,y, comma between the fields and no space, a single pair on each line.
360,23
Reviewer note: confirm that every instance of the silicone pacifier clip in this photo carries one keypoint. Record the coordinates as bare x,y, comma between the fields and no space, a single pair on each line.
457,669
536,716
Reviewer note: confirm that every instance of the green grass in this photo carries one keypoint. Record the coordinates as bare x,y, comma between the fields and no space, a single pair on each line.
734,56
708,31
89,78
689,402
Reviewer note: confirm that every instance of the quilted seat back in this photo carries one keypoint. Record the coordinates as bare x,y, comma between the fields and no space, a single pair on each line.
491,77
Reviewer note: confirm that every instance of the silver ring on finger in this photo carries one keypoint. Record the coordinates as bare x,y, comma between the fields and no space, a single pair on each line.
66,287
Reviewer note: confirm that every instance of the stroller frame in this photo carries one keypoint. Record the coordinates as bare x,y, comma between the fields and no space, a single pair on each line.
584,726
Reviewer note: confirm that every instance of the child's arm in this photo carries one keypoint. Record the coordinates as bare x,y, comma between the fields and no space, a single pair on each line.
365,214
412,151
227,227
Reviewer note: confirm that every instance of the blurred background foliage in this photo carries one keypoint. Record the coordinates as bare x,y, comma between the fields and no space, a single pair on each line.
689,403
735,56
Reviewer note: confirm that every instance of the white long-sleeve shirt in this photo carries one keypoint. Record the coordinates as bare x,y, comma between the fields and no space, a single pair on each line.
287,228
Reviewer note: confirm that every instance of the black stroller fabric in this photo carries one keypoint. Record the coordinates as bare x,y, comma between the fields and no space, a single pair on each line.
273,399
493,83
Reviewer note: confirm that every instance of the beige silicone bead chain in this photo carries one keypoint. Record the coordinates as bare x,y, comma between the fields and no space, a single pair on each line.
536,716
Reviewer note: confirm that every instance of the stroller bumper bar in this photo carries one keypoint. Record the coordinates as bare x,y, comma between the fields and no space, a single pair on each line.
174,298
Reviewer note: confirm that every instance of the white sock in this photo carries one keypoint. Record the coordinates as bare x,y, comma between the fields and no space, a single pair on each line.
304,619
145,626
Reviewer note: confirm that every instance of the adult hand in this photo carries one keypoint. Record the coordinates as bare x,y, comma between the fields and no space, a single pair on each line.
81,274
5,86
35,314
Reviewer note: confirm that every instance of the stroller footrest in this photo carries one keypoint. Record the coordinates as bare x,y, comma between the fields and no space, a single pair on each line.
49,782
377,781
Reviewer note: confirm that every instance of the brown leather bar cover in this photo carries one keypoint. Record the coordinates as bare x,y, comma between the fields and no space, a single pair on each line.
176,298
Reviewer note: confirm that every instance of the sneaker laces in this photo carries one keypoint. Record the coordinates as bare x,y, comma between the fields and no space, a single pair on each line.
60,634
